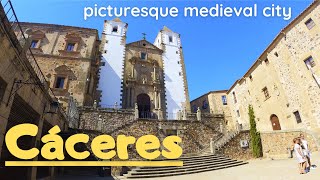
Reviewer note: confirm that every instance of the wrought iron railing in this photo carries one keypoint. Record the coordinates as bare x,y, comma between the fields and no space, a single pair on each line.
11,24
147,115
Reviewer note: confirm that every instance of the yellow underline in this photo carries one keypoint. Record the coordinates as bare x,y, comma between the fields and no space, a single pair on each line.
94,163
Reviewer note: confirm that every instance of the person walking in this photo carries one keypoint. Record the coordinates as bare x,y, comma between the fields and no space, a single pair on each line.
299,155
306,150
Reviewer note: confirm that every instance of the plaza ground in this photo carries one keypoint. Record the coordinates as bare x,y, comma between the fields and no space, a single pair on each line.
286,169
264,169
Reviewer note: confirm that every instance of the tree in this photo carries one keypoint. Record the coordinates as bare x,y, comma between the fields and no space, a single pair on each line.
255,141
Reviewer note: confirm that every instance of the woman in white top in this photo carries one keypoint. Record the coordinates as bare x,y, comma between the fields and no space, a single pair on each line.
299,155
306,150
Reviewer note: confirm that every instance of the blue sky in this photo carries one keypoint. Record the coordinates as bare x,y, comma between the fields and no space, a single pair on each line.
217,51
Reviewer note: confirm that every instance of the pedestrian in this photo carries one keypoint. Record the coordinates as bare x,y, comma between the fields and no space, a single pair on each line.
299,155
306,151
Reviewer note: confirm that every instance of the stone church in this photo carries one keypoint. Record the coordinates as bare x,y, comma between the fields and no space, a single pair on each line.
150,77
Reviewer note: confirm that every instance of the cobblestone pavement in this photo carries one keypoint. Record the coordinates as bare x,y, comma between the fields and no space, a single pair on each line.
264,169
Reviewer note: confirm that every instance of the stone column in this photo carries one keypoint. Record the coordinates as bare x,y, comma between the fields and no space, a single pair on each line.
155,100
154,72
184,113
160,116
132,97
132,70
128,97
159,96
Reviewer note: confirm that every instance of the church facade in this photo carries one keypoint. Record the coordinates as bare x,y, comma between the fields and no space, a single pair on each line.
143,75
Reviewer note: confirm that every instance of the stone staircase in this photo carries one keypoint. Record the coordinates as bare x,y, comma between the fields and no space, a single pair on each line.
191,164
224,139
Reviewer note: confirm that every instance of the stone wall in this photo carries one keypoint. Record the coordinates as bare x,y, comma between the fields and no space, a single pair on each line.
234,150
276,143
195,134
104,120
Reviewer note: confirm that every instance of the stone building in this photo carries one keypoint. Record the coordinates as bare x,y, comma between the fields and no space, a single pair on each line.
151,75
69,57
214,102
283,85
24,97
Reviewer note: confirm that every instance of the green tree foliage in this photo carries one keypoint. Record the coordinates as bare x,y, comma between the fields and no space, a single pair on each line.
255,135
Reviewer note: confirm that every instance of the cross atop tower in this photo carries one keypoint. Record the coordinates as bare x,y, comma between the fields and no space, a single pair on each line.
144,36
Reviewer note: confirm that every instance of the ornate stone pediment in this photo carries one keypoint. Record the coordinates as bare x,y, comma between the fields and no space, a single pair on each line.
37,34
65,70
144,44
73,37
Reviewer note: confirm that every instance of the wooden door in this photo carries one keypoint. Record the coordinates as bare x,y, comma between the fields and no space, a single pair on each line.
275,123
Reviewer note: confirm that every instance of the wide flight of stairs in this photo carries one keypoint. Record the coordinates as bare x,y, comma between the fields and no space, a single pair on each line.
191,164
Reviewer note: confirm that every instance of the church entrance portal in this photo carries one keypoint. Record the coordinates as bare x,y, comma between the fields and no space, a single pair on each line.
144,106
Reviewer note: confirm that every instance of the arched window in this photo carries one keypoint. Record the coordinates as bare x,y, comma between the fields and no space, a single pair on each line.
115,29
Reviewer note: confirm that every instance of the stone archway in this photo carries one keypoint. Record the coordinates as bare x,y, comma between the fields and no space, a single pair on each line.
275,122
144,105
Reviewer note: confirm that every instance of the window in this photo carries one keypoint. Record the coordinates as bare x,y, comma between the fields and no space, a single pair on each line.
238,113
170,39
266,92
34,44
115,29
310,23
276,54
60,82
102,63
250,77
234,97
267,61
180,74
310,62
194,108
71,46
204,104
298,117
224,100
143,56
3,87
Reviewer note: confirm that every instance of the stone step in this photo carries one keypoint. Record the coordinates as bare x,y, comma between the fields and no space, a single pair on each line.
198,156
184,172
202,159
189,164
193,166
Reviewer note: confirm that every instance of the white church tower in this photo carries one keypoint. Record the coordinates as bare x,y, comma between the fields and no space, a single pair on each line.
113,56
177,95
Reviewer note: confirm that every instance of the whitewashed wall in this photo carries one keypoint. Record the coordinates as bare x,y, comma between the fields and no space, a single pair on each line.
113,56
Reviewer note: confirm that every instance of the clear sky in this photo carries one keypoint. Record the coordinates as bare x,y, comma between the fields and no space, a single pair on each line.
217,51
